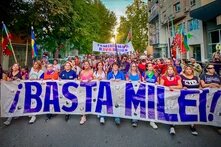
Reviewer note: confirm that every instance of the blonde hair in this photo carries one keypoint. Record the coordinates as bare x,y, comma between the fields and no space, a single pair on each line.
39,64
174,69
186,66
137,70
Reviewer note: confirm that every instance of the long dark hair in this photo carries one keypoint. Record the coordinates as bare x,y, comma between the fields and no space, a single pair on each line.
11,70
96,68
84,64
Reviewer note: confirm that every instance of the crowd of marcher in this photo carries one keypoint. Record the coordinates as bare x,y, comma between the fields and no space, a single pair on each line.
173,73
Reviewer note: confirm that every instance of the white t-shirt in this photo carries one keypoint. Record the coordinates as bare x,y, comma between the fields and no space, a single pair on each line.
35,75
97,75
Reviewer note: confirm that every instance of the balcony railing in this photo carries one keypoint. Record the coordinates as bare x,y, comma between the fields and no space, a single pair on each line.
154,12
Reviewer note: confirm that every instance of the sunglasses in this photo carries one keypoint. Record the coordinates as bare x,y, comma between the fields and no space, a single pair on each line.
210,68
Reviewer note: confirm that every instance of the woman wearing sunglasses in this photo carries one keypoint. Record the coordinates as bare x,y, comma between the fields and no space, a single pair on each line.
210,79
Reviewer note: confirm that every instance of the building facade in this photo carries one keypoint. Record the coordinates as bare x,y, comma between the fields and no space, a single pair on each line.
157,33
209,12
168,17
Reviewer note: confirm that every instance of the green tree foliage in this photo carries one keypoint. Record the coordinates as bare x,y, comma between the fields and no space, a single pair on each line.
94,23
137,20
15,14
60,24
53,23
123,29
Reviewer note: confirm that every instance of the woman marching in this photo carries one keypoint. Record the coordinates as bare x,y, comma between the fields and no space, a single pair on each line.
36,73
86,75
14,74
133,76
173,81
99,74
68,74
50,74
190,81
116,75
150,77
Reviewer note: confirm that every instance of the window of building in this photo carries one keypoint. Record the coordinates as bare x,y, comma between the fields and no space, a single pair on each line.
214,38
192,2
197,52
157,52
220,35
177,7
193,24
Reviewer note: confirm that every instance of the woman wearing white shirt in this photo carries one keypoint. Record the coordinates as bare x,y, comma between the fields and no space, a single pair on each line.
36,73
99,74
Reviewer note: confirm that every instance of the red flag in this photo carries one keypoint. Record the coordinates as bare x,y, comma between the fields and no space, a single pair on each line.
178,41
6,41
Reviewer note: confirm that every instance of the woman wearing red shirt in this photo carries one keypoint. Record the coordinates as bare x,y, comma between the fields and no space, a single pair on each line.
173,81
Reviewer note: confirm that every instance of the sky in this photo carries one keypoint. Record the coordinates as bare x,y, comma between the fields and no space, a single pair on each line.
117,6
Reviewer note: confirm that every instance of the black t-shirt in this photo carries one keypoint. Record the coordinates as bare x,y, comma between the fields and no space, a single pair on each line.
190,83
15,77
208,79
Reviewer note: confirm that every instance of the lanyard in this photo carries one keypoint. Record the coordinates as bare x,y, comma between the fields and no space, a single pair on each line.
114,76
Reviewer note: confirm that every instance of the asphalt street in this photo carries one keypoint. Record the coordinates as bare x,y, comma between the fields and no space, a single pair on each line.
59,133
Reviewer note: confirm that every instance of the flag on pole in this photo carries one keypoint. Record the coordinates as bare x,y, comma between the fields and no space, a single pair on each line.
129,36
185,42
6,41
181,40
33,44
